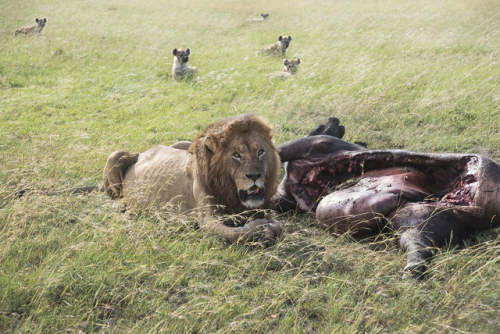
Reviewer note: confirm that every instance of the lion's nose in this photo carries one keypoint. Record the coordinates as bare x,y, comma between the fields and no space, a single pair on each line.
253,177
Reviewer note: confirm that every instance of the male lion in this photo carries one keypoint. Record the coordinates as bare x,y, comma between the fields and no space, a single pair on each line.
231,168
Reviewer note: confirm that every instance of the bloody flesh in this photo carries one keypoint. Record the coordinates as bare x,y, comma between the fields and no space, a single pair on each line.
429,198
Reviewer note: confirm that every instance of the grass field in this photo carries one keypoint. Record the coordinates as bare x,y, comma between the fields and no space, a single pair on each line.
416,74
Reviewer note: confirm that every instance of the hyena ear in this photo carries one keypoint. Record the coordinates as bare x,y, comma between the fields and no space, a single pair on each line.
188,51
285,62
280,38
45,19
289,38
37,19
298,60
174,52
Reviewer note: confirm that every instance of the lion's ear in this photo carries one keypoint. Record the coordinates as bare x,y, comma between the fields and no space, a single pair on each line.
210,143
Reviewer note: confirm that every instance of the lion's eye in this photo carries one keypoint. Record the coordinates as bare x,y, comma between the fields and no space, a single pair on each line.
260,154
237,156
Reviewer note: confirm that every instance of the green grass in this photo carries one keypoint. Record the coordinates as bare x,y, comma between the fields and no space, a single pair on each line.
421,75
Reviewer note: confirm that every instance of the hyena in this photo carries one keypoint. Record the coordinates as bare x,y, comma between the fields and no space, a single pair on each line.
262,17
37,27
180,68
278,48
291,67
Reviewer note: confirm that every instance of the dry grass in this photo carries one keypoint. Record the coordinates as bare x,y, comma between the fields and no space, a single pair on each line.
420,75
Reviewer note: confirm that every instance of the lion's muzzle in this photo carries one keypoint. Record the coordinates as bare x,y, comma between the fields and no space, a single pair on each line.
253,197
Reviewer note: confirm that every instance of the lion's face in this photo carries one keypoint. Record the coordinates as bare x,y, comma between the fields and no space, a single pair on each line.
248,167
238,163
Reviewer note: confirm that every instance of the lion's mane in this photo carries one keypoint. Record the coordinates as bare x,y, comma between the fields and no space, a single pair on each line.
213,171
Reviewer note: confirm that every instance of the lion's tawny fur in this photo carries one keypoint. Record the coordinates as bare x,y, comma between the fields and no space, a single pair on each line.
231,167
35,28
213,171
116,164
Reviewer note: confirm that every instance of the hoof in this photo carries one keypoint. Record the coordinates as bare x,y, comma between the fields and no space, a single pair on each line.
415,271
331,127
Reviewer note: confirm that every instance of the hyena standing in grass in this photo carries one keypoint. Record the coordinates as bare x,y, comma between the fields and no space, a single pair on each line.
37,27
278,48
291,67
262,17
180,68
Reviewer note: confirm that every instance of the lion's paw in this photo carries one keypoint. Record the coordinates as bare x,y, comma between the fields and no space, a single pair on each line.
263,231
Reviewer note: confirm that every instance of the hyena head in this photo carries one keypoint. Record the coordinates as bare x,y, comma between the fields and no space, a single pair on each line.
182,55
264,16
285,41
40,23
291,65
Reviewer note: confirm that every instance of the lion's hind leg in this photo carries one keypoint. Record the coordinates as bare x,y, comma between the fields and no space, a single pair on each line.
114,171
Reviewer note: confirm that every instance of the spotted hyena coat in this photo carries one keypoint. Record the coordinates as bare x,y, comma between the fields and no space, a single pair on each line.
262,17
180,68
278,48
35,28
291,67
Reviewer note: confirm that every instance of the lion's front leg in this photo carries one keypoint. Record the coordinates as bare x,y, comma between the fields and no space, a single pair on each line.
264,230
